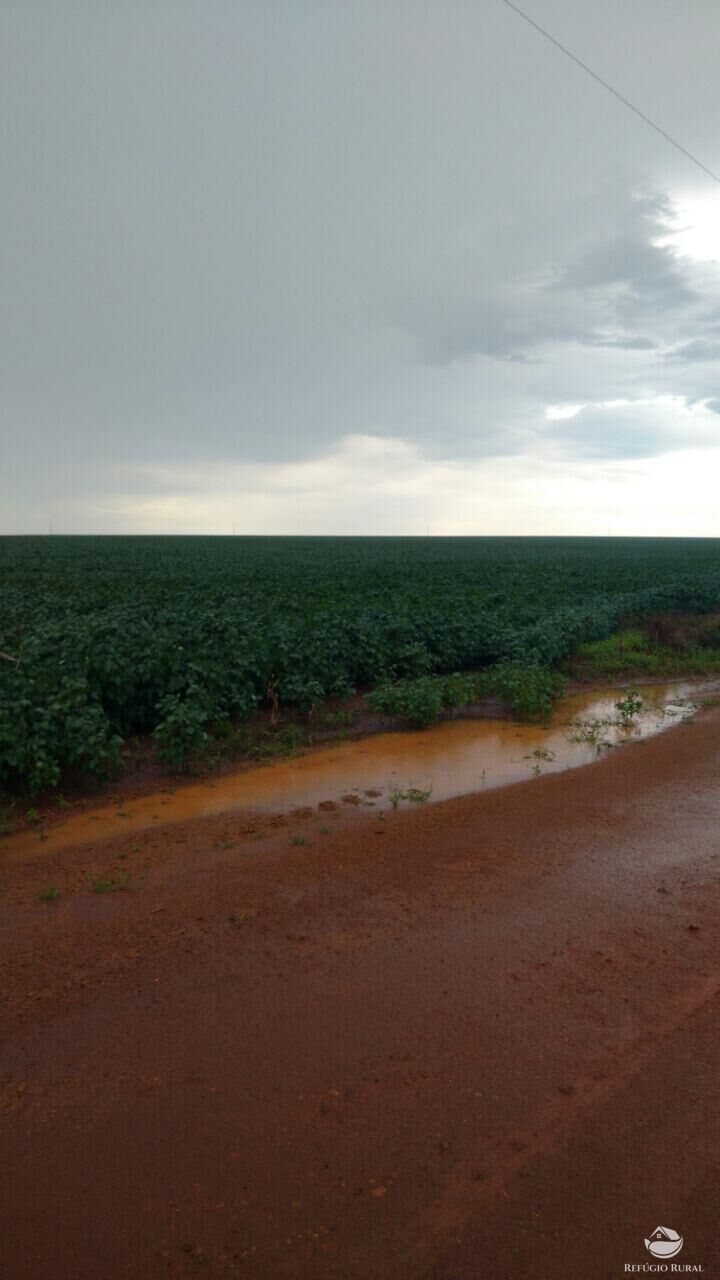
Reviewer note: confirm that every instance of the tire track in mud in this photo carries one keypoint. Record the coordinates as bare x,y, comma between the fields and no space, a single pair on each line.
469,1193
448,1031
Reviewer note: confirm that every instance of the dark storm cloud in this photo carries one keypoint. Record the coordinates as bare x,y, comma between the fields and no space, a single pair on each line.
616,282
630,432
242,232
627,260
629,343
697,349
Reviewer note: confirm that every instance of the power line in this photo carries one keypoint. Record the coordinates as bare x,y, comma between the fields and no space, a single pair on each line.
610,89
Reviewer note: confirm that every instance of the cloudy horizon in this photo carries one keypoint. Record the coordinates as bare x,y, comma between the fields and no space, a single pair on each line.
381,267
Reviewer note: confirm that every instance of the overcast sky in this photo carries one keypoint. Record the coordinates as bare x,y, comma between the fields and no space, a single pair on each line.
358,266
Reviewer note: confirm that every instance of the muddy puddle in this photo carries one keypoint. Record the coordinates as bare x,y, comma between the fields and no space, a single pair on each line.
449,759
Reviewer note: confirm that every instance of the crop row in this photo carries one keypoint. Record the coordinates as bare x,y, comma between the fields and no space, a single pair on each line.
115,637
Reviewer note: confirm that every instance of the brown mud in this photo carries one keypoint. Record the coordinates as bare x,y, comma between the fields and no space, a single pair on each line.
471,1039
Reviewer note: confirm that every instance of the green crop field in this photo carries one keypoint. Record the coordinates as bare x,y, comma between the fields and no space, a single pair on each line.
116,636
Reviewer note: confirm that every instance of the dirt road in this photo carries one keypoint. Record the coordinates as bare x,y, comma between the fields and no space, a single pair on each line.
478,1039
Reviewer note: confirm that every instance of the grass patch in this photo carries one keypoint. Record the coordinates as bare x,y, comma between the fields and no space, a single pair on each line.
8,818
250,742
662,645
590,732
109,884
51,894
415,795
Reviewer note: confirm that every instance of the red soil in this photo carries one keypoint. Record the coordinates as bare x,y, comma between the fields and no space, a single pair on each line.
477,1039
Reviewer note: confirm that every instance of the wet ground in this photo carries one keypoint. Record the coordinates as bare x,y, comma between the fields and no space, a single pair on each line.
477,1038
449,759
